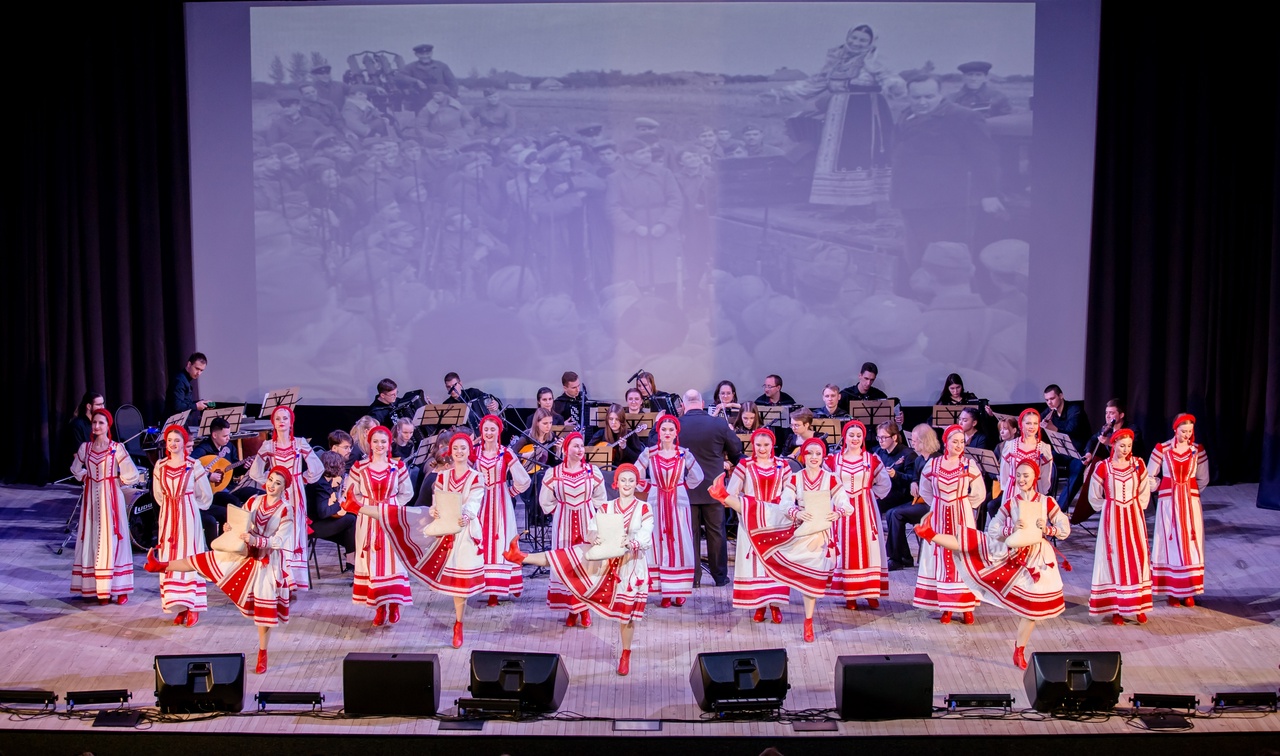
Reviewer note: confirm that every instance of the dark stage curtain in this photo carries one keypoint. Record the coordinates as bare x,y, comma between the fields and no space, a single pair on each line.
99,293
1184,306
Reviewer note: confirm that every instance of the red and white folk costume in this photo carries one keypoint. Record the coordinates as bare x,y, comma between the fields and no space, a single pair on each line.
497,515
571,497
1178,469
670,473
763,480
953,488
103,565
1025,448
381,580
1120,491
296,456
862,569
181,489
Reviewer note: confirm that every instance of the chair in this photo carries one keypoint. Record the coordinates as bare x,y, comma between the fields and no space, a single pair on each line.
313,559
130,427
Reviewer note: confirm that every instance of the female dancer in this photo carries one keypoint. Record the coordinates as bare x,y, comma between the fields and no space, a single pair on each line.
571,492
862,570
103,565
1120,490
497,515
763,478
1027,446
1179,468
254,581
671,471
450,564
181,488
380,581
616,588
951,484
296,456
803,562
1013,564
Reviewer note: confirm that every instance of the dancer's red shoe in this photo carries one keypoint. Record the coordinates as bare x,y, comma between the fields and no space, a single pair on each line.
1019,658
153,564
758,616
946,618
925,531
571,620
493,601
262,661
1117,619
678,601
393,614
585,620
968,618
1142,618
666,603
624,663
180,618
873,603
513,553
1174,602
851,604
1189,601
457,635
122,599
380,616
808,629
776,614
192,619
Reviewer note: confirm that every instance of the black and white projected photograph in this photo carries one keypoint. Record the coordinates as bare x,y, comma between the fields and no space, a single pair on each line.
699,189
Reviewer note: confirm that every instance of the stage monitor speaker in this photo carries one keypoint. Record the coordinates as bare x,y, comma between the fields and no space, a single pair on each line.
537,681
884,686
406,685
191,684
740,680
1073,680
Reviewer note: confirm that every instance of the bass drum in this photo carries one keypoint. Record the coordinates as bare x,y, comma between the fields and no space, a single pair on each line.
144,522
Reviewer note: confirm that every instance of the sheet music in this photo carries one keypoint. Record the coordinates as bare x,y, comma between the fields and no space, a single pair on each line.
1062,443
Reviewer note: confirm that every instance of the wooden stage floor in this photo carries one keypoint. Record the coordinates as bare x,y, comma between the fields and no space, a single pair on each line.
1229,641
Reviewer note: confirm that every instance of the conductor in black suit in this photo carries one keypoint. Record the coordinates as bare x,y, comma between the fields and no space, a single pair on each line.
712,442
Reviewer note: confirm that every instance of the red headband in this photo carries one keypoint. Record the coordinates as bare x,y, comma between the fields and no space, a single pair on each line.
946,435
1122,433
773,440
102,411
179,429
281,408
815,441
464,437
368,437
668,418
1029,463
1185,417
845,431
284,473
1024,413
625,467
496,421
568,439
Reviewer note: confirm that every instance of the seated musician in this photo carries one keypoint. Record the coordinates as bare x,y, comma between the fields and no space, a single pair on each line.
569,404
360,439
324,508
748,419
182,396
380,408
899,460
1100,445
727,404
538,447
655,400
832,404
773,395
1071,420
404,443
218,445
635,401
340,444
479,402
863,391
953,393
801,430
624,450
547,400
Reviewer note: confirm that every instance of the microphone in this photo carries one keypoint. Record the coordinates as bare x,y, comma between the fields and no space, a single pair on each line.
635,375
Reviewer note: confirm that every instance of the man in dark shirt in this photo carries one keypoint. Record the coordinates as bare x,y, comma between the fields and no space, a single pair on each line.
380,407
712,442
182,396
773,395
899,460
863,391
474,398
569,404
1071,420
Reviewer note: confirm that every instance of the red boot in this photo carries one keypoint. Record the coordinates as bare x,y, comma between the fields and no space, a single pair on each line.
776,613
1189,601
925,531
666,603
350,504
571,620
1174,602
180,618
104,601
262,661
1117,619
493,600
946,618
192,619
968,618
624,664
758,616
153,564
808,629
1019,658
678,601
586,619
513,553
851,604
457,635
1142,618
122,599
873,603
393,613
380,616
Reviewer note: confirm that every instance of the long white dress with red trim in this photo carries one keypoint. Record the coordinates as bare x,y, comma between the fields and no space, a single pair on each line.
804,563
753,586
180,494
673,560
302,462
862,568
1023,578
451,564
571,498
497,520
1012,454
103,564
1177,552
1121,563
952,495
616,589
255,582
380,577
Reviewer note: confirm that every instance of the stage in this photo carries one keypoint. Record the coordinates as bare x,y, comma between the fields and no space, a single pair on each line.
1229,641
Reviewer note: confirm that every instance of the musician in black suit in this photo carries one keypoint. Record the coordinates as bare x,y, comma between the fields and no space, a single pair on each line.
478,402
182,394
380,407
713,443
570,404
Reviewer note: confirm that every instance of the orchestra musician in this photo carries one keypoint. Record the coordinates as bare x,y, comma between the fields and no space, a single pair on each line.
801,431
625,445
635,401
547,400
953,393
1071,420
773,395
863,390
571,404
478,403
181,396
832,406
380,408
748,418
727,404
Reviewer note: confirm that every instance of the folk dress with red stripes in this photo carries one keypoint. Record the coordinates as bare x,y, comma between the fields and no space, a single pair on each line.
571,498
1121,563
180,494
498,520
806,562
451,564
1177,552
753,586
862,569
301,460
381,577
103,565
1012,454
673,559
255,582
616,589
952,495
1023,579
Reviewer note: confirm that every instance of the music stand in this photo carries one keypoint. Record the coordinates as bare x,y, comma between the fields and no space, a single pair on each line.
1011,418
986,458
829,428
286,397
443,415
664,402
634,419
745,438
599,414
600,455
179,419
779,417
1062,444
945,415
233,415
871,412
420,454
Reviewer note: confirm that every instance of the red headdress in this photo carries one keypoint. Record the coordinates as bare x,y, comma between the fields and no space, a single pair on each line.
284,473
1122,433
669,419
815,441
764,432
110,420
568,439
181,431
284,408
844,432
1023,414
1035,466
465,437
625,467
495,420
946,436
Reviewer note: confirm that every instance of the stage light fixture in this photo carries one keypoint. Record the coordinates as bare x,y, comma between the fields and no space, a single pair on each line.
45,698
286,698
1264,699
1161,701
83,698
979,701
489,707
